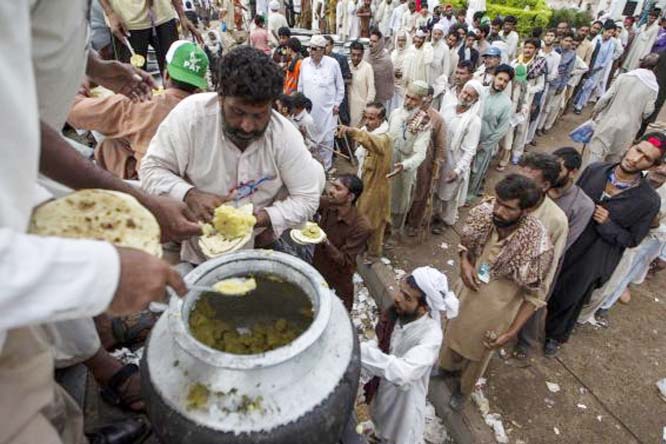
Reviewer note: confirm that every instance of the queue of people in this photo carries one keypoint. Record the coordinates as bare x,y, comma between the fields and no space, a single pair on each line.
437,98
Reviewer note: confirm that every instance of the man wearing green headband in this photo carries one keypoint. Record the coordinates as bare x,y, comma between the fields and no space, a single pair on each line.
130,126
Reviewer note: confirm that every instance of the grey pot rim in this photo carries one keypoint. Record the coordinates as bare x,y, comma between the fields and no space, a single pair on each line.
178,309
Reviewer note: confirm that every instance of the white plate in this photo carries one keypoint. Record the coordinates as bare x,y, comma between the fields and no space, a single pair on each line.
298,237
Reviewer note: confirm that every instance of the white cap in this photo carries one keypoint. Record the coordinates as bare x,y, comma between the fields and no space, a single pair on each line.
274,5
318,41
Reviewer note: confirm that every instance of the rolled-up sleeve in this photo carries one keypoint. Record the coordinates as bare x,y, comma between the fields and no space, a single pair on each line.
304,179
46,279
167,158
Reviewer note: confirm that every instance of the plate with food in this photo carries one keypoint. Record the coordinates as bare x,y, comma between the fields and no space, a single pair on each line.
103,215
230,230
309,235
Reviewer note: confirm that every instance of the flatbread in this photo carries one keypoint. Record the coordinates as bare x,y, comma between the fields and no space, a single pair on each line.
105,215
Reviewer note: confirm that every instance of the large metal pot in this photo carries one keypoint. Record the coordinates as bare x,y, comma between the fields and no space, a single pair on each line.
305,389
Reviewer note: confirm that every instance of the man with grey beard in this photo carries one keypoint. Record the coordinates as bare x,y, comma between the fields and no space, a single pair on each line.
409,127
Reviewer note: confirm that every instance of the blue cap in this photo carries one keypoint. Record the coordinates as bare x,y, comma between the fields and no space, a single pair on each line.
493,51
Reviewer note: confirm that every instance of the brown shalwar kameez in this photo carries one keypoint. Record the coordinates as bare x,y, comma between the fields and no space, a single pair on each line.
347,234
518,267
375,202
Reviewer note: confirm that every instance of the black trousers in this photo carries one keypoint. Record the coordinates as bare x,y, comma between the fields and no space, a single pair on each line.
160,39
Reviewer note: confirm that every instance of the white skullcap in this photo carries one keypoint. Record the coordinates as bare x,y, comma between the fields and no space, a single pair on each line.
436,288
476,86
439,27
274,5
319,41
420,33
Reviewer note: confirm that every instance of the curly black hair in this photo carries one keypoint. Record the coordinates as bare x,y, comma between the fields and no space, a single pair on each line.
248,73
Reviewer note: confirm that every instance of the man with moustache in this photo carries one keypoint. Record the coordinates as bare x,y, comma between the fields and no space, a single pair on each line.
409,336
495,123
409,127
441,57
464,128
492,58
375,155
418,60
211,143
626,205
347,232
504,255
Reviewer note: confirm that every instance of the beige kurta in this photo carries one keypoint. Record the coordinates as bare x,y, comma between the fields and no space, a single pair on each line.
641,46
619,115
361,91
492,308
409,149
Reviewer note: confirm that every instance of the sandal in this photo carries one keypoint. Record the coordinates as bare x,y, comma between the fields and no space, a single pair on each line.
521,352
126,431
437,230
113,393
129,330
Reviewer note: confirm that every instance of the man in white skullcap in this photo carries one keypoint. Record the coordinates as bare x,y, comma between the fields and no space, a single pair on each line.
418,60
409,336
409,127
276,20
441,56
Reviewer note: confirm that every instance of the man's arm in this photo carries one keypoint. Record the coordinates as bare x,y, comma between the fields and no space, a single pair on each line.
371,86
59,161
185,23
304,179
615,234
525,312
469,144
370,142
420,150
404,370
339,85
104,114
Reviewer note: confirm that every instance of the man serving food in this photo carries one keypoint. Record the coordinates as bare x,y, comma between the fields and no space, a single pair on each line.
212,145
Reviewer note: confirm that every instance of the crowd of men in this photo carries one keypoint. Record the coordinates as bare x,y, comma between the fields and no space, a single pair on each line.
435,99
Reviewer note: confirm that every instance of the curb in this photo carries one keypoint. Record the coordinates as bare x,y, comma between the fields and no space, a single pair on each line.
467,427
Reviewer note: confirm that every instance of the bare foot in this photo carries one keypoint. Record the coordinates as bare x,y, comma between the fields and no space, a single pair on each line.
103,367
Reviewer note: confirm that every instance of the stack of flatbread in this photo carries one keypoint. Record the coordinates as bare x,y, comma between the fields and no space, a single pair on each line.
105,215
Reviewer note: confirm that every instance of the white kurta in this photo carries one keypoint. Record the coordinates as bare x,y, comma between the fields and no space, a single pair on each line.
417,64
361,91
619,113
462,140
441,60
190,150
343,19
398,409
323,85
641,46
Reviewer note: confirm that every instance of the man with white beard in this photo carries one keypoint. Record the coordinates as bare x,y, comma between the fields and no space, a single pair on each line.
463,128
441,58
409,126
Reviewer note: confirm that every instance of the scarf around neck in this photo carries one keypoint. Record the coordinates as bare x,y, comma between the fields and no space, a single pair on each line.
526,254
